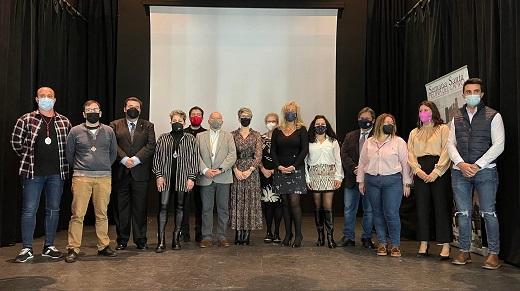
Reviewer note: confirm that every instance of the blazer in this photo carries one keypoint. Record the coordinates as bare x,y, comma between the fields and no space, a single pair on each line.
142,147
225,157
350,156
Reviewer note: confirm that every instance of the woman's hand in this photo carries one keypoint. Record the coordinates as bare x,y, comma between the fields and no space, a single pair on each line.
421,174
238,174
161,184
266,173
406,190
362,188
189,185
431,177
309,186
337,184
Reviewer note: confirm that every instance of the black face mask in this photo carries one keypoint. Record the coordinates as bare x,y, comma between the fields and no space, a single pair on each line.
320,129
388,128
133,113
92,117
245,121
177,127
365,123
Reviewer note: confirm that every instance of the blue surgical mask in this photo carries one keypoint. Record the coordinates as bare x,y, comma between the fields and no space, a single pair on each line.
290,116
472,100
45,103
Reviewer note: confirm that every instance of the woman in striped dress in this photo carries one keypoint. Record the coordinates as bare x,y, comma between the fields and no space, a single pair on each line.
175,166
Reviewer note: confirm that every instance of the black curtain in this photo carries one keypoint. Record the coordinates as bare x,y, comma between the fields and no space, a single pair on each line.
443,35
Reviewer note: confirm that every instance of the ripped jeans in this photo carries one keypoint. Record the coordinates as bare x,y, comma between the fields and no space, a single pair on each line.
52,187
485,182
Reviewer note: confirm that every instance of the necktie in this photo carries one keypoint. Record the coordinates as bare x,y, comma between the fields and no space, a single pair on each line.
362,140
132,131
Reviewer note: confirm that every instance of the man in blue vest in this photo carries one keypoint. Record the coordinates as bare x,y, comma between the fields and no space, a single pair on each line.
475,142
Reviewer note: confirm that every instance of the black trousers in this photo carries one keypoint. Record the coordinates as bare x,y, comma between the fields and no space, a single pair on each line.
197,204
434,203
132,203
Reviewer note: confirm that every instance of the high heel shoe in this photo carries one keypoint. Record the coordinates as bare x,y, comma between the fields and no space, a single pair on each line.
444,258
287,240
425,254
297,242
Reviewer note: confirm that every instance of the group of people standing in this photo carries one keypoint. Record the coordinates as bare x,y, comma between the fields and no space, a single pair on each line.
239,170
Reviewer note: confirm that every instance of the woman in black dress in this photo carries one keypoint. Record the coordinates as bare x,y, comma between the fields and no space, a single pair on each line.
289,147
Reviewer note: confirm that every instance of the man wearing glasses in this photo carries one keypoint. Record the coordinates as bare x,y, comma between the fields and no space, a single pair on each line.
91,150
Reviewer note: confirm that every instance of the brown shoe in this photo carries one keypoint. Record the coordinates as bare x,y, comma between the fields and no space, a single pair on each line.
492,262
223,243
381,250
462,259
395,251
205,243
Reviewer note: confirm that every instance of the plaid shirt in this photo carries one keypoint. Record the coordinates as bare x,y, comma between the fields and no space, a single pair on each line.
24,136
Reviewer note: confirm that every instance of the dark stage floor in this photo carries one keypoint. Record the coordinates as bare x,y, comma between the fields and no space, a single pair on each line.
258,267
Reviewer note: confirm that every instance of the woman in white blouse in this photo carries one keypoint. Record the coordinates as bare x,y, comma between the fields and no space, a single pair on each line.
323,174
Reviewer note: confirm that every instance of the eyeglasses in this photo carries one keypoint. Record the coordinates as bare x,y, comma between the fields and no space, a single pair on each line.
92,110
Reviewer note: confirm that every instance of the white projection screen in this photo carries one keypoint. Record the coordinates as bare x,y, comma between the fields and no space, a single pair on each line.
222,59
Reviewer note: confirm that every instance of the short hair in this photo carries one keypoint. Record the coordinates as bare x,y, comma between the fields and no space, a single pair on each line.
273,115
178,112
380,121
134,99
245,110
196,108
436,116
367,109
90,102
298,122
472,81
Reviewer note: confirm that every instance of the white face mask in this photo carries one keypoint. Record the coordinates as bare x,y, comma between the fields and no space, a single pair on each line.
270,125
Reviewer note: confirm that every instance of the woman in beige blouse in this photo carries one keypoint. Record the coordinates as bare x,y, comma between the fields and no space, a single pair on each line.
429,161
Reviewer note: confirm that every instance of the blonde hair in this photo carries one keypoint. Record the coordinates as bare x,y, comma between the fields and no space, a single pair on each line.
380,121
245,110
271,114
298,122
178,112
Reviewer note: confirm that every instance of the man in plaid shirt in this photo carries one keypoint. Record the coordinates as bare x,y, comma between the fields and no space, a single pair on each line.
39,139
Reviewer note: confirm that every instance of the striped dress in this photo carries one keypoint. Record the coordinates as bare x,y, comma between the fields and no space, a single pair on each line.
187,160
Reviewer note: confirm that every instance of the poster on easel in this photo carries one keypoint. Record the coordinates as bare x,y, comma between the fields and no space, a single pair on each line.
446,93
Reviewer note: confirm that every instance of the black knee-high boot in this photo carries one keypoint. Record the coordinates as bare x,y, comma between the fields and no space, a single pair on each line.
286,213
162,219
238,237
179,215
318,219
329,225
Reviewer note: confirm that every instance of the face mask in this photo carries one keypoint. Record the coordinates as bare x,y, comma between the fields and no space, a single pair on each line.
270,125
290,116
472,100
425,116
196,120
245,121
215,124
132,112
177,127
45,103
321,129
92,117
365,123
388,128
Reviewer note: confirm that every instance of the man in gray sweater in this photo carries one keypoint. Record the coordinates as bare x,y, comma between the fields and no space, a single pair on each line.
91,150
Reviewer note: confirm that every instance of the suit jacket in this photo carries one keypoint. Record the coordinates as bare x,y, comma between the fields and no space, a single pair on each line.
350,156
143,147
225,157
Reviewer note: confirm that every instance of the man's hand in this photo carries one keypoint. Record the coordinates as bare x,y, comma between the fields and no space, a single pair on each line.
468,170
129,163
210,173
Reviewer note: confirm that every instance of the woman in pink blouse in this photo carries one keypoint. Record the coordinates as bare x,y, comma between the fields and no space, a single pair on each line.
385,176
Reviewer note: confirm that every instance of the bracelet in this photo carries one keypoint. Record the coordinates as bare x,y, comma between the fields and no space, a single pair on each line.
407,185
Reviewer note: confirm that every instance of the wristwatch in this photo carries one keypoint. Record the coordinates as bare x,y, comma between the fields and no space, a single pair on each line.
407,185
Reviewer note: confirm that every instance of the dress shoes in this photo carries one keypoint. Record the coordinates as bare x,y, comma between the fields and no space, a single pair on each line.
462,259
223,243
71,257
141,247
107,252
368,243
444,258
120,247
205,243
425,254
185,237
492,262
346,242
382,250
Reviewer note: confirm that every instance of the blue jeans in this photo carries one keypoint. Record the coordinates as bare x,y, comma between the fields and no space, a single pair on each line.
351,202
385,194
52,186
485,182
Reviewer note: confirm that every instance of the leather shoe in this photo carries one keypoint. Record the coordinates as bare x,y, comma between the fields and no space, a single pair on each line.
71,257
107,252
462,259
492,262
346,242
185,237
223,243
205,243
141,247
368,243
120,247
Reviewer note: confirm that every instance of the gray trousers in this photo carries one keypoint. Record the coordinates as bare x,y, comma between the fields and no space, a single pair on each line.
209,194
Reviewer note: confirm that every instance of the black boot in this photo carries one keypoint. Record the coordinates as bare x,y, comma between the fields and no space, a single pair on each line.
162,218
318,219
161,244
176,242
238,237
329,225
246,237
179,216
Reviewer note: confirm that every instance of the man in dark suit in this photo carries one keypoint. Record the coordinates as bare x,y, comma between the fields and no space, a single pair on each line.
350,149
135,148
